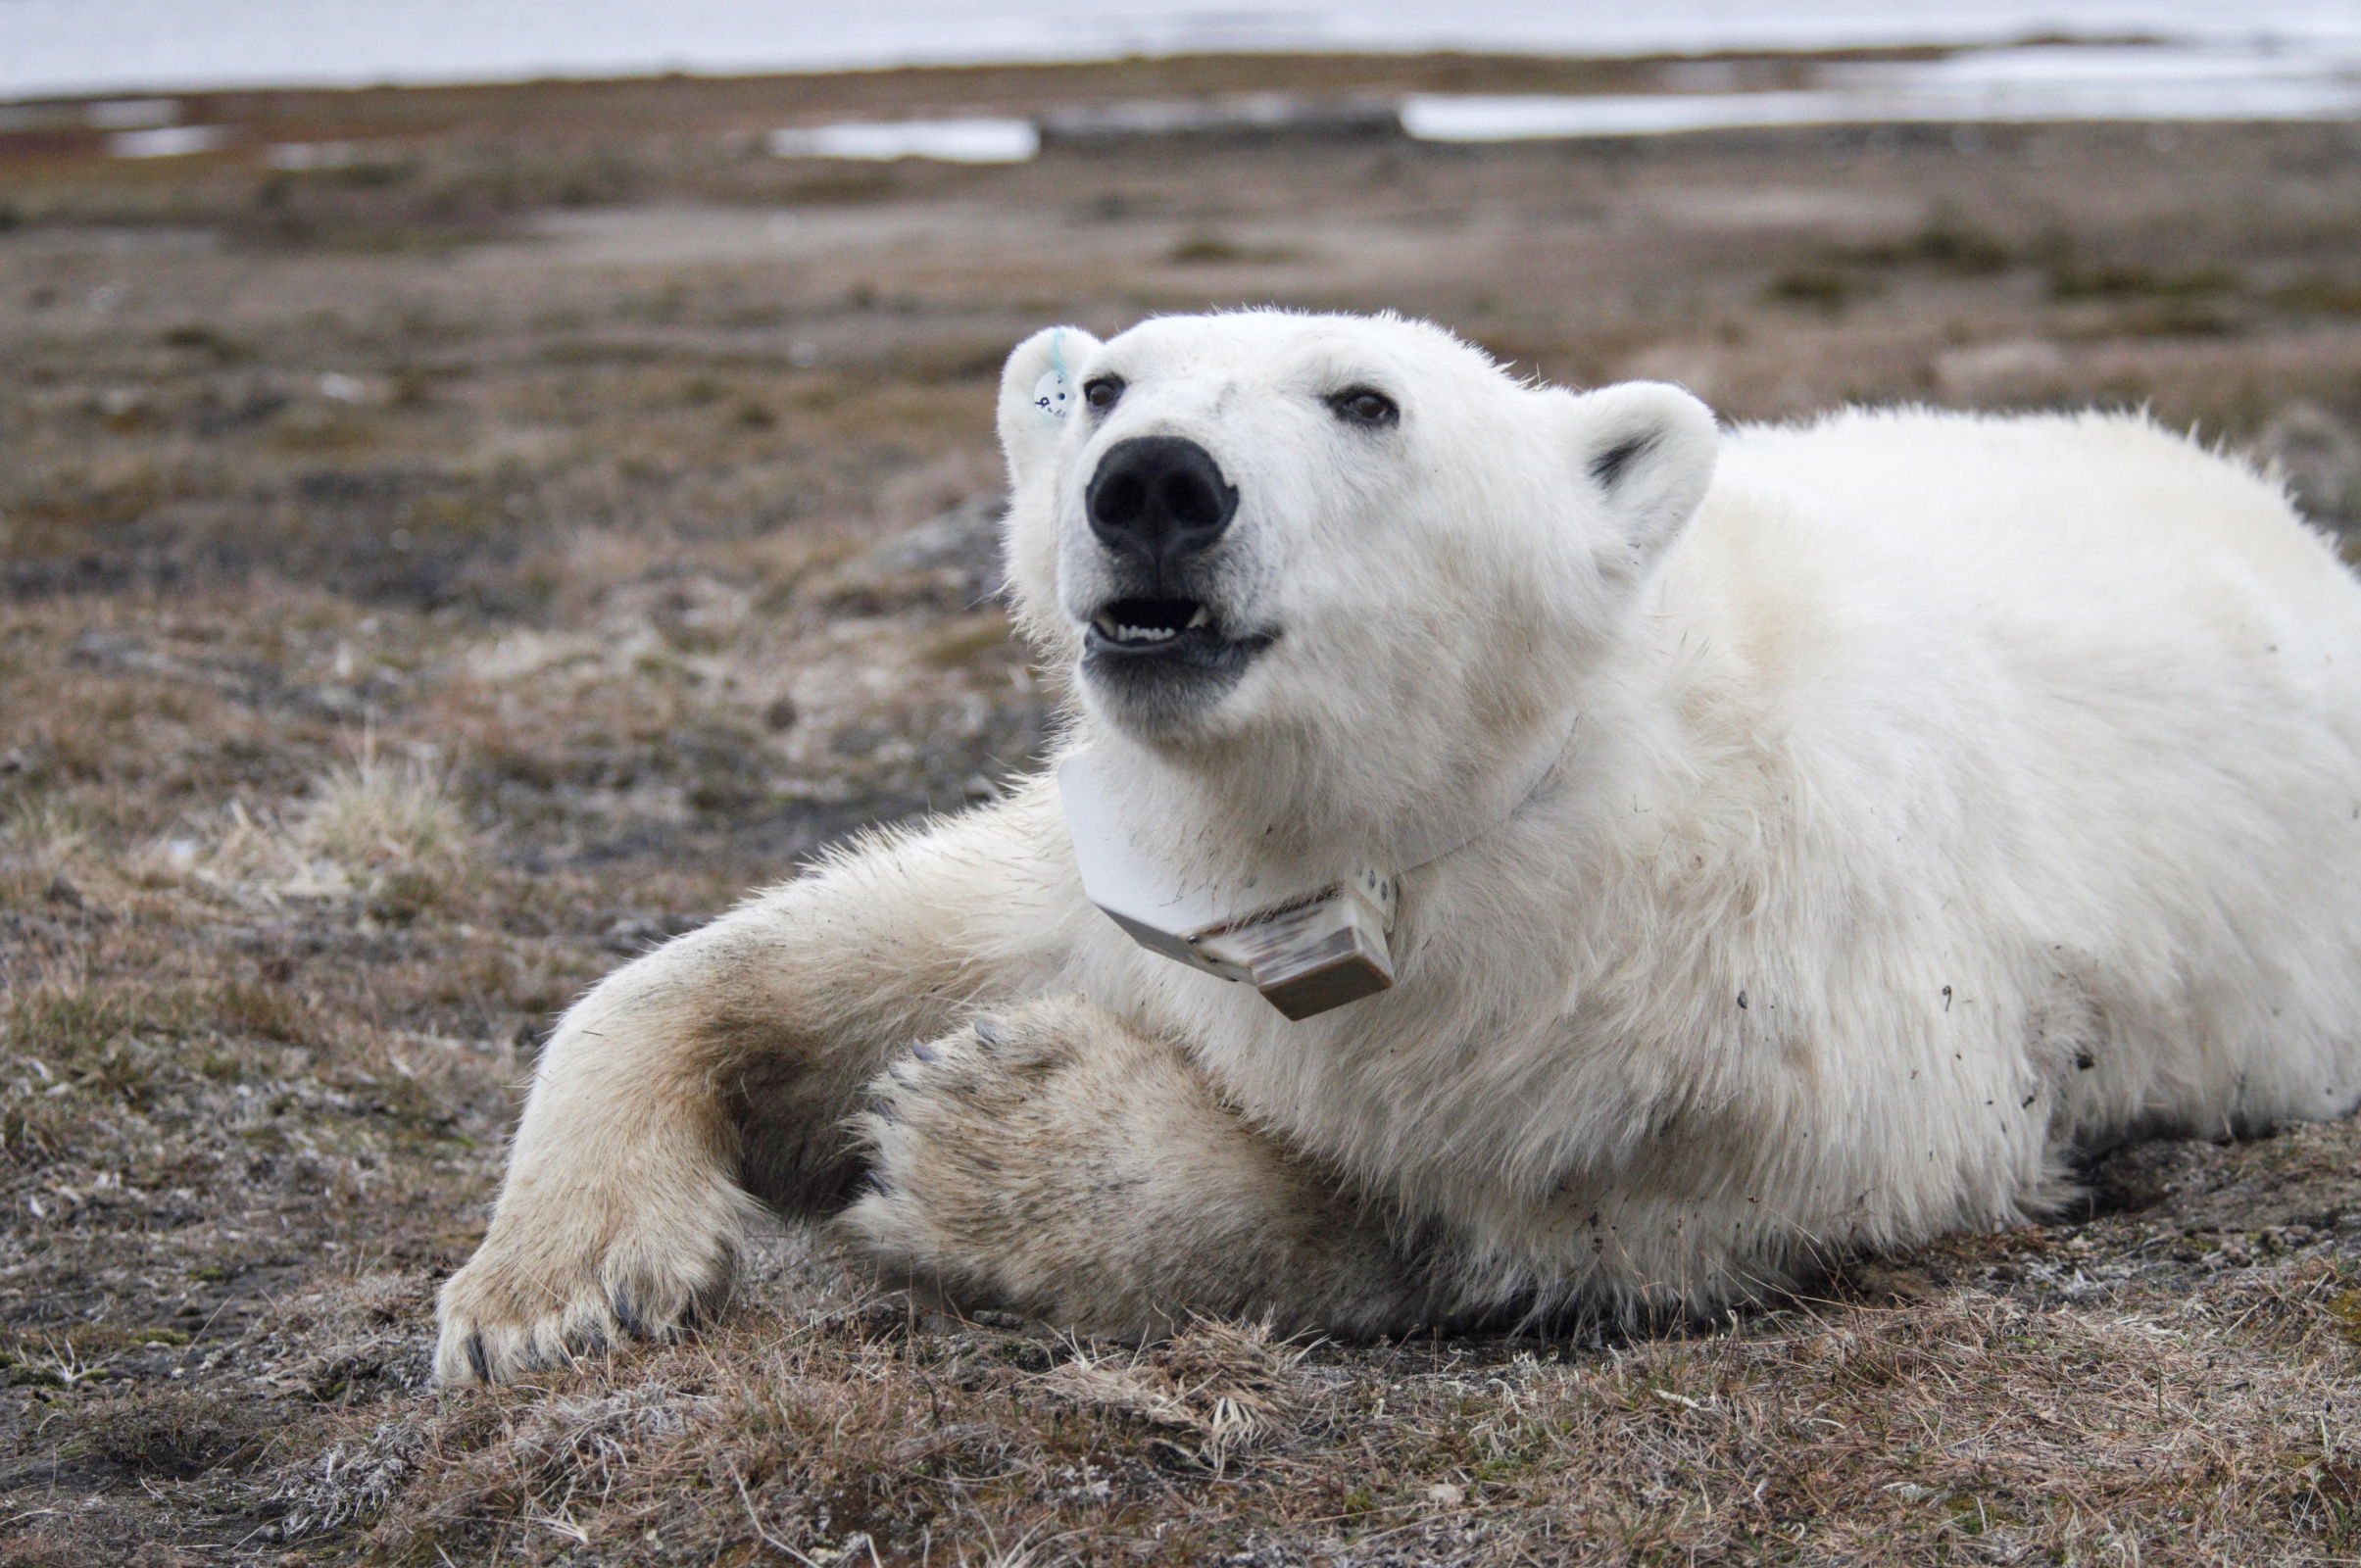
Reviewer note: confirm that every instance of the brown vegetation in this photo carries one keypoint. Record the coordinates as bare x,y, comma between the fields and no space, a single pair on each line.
431,577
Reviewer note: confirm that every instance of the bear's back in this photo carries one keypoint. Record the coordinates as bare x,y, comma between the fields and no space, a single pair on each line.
2070,519
1950,559
2100,684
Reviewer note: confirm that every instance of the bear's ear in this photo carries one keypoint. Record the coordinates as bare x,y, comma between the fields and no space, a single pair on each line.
1649,449
1038,395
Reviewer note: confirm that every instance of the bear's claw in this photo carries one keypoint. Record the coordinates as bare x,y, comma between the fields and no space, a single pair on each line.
649,1274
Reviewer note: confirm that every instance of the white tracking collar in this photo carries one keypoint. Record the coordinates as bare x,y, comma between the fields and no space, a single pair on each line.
1307,951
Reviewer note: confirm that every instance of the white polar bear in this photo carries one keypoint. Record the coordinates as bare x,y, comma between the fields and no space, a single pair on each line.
1923,799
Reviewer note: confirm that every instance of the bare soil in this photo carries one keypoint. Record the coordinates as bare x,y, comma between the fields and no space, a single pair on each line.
427,579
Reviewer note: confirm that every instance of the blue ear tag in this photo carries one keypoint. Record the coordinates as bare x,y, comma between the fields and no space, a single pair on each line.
1053,395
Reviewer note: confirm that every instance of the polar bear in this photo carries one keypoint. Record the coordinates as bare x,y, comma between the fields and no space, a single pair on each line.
1785,839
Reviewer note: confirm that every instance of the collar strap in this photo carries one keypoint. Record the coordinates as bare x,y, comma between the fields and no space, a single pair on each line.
1306,949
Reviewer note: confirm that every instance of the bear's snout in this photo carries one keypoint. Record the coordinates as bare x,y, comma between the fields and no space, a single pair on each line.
1158,498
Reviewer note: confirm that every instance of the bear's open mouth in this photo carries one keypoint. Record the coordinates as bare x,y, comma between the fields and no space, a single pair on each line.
1136,625
1173,635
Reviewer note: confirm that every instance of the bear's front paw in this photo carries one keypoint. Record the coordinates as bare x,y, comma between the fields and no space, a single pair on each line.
1055,1162
557,1279
982,1163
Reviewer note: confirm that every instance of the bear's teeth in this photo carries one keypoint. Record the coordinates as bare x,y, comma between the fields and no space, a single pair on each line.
1115,632
1200,618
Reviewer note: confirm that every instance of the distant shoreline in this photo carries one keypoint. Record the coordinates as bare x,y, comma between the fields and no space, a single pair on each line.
1411,69
53,49
1000,113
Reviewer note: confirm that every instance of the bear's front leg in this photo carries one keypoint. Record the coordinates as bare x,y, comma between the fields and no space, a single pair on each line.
1053,1160
718,1074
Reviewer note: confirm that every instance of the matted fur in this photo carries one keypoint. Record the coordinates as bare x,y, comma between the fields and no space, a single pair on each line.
1944,794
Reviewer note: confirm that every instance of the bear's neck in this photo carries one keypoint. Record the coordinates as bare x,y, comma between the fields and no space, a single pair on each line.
1253,818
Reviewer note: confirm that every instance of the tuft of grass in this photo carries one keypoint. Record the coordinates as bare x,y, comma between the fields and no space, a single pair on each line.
169,1435
1955,244
37,838
1218,250
2116,281
2319,296
376,811
388,828
252,1010
1819,288
1950,242
70,1023
1222,1388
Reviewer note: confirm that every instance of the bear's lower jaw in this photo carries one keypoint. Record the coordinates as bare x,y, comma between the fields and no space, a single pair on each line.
1159,686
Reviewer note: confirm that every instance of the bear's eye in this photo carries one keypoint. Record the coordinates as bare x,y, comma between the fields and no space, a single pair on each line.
1101,392
1360,404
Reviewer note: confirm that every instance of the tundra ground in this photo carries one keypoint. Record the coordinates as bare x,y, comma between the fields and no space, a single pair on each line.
436,572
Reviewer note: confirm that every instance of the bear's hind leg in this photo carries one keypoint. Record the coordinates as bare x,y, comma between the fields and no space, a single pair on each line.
1054,1161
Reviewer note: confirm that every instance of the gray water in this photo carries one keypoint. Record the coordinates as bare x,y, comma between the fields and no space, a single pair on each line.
58,47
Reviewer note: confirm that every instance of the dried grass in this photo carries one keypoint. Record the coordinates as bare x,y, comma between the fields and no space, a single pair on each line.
375,811
1225,1387
37,838
1963,1427
391,828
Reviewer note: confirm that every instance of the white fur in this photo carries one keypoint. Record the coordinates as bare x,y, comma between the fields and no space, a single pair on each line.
1962,746
1945,794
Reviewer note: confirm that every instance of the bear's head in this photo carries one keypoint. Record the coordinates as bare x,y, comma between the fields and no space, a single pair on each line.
1262,537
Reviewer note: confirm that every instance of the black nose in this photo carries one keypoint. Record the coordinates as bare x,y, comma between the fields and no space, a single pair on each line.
1159,497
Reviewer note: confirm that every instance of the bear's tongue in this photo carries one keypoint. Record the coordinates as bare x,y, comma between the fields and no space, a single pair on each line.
1143,623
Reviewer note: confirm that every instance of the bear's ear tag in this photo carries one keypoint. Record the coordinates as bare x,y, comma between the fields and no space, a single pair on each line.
1053,395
